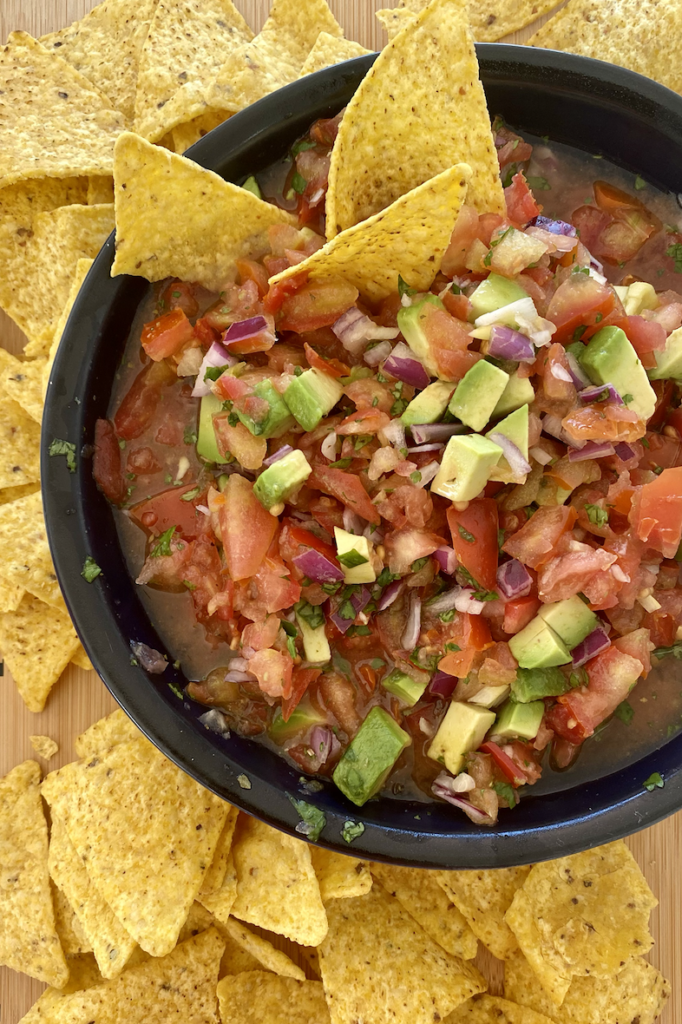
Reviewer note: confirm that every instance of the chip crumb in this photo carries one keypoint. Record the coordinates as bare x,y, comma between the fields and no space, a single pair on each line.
244,781
44,746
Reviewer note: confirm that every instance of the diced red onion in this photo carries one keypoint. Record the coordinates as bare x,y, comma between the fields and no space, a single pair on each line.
595,393
410,636
151,660
513,579
378,353
591,450
578,375
328,447
435,447
427,474
553,426
279,454
519,465
465,602
360,599
442,684
354,330
318,567
343,625
506,343
243,329
624,451
556,227
404,365
353,523
390,594
447,560
540,455
216,356
443,787
239,677
239,664
588,648
204,509
394,433
560,373
216,722
553,242
373,533
444,602
321,744
424,433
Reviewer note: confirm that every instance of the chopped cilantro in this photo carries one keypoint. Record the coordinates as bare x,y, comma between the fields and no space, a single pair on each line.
291,646
313,819
447,616
298,371
507,792
415,477
419,563
625,712
352,830
361,440
455,289
90,570
176,690
340,663
598,318
190,435
301,146
653,782
628,398
347,611
597,516
404,288
400,404
59,447
310,613
298,183
330,588
189,495
675,253
453,647
190,586
578,678
675,650
377,664
360,630
539,183
500,539
375,401
658,470
385,577
233,419
121,443
578,333
479,593
213,372
351,558
644,441
340,464
163,544
640,183
465,535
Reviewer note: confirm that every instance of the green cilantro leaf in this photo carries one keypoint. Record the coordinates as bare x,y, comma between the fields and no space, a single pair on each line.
163,544
654,782
190,495
507,792
415,477
377,664
291,646
453,647
675,650
298,183
385,577
625,712
289,628
59,447
447,616
90,570
190,435
465,535
312,821
340,464
639,183
628,398
419,563
597,516
310,613
352,558
352,830
541,184
404,288
675,253
301,146
213,372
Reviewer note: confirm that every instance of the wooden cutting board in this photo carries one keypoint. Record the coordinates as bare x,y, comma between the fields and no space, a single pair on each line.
80,698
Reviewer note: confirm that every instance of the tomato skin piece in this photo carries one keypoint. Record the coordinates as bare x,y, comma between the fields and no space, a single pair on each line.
301,680
247,530
164,336
503,762
521,204
334,367
479,557
107,463
317,304
656,514
518,613
347,488
171,510
261,635
278,292
273,670
579,301
638,645
137,409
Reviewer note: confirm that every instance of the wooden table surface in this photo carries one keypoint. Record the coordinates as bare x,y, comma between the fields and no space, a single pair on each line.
80,698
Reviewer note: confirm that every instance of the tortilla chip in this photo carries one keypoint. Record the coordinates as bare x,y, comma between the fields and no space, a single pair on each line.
23,383
105,46
378,964
582,915
642,35
221,902
408,240
19,447
71,936
260,998
207,225
11,596
106,733
111,943
215,876
329,50
270,958
393,112
236,959
422,897
81,660
490,19
79,275
637,992
493,1010
53,122
188,42
483,897
36,642
276,885
44,746
197,921
185,135
26,555
145,832
340,877
100,190
28,937
392,20
8,494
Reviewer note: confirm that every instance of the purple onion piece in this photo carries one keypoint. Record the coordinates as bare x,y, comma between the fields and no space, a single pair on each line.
506,343
404,365
279,454
624,451
518,463
578,376
360,599
216,356
442,685
391,593
600,393
151,660
410,636
592,645
321,745
447,560
343,625
513,579
591,450
435,447
557,227
244,329
553,426
318,567
466,602
476,815
425,433
444,602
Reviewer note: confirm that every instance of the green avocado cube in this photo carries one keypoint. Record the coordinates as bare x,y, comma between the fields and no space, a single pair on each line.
609,358
494,293
477,394
429,405
279,418
368,760
519,391
315,642
535,683
412,323
462,730
312,396
572,619
279,481
519,721
207,445
669,360
465,467
538,646
303,717
403,687
515,428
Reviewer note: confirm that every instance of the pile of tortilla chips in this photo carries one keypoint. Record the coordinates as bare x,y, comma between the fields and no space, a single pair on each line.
150,899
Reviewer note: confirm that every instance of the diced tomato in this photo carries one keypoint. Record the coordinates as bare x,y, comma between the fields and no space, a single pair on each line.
167,334
662,628
249,270
518,613
457,305
327,512
107,463
347,488
334,367
364,421
638,645
630,224
274,590
261,635
458,663
603,421
464,233
657,512
294,540
280,290
579,301
302,678
368,393
406,546
645,336
326,129
273,670
230,387
247,530
170,509
661,450
590,221
533,543
503,762
237,440
612,675
521,205
448,340
474,538
205,333
317,304
179,295
137,409
570,573
499,666
142,461
260,342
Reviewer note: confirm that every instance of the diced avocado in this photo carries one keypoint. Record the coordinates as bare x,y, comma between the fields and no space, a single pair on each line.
315,643
467,462
462,730
403,686
477,394
490,696
411,321
207,445
640,295
301,718
519,391
571,619
520,721
669,360
279,418
576,348
251,185
515,427
368,759
279,481
493,293
355,557
538,646
429,405
535,683
312,396
609,357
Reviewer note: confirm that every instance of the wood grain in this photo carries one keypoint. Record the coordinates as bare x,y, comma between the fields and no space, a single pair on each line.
81,698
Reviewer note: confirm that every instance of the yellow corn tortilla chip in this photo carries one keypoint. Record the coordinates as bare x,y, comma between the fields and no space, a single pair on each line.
111,943
637,992
393,19
276,885
188,41
378,964
44,746
483,897
8,494
393,114
100,190
270,958
408,240
71,937
329,50
642,35
106,733
259,998
582,915
215,876
26,555
207,223
423,898
83,974
490,19
11,596
36,642
19,446
145,832
79,275
198,920
81,660
53,121
185,135
236,959
485,1009
105,46
23,383
275,57
28,937
339,877
220,902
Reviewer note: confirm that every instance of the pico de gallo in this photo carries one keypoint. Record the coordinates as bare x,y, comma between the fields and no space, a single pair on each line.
442,530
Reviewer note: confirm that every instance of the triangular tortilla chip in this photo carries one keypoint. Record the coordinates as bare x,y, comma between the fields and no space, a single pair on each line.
105,46
221,901
408,240
484,897
485,1009
185,135
393,135
188,41
100,190
23,383
106,733
70,933
146,833
44,746
329,50
339,877
10,596
79,275
215,876
81,660
19,448
53,121
28,937
37,643
258,998
175,219
26,555
272,959
490,19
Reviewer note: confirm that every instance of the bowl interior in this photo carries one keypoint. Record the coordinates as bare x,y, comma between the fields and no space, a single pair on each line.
592,106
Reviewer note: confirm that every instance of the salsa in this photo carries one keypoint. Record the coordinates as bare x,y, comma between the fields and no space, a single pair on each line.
433,538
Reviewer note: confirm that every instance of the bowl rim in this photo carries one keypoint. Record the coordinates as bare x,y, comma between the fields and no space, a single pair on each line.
98,614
